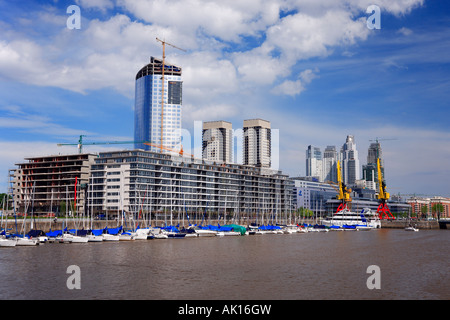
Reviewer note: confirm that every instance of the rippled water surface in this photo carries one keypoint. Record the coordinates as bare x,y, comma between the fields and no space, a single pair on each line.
333,265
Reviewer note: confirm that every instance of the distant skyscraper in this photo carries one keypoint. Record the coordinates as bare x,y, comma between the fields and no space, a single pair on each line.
217,141
370,171
314,163
329,164
350,161
148,98
257,143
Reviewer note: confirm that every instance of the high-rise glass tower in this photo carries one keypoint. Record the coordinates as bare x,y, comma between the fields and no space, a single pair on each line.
152,114
314,163
370,171
350,161
330,164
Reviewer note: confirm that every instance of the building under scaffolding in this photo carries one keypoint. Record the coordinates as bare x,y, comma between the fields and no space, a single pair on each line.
44,185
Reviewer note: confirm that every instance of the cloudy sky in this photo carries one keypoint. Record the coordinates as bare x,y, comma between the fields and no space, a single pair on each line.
313,68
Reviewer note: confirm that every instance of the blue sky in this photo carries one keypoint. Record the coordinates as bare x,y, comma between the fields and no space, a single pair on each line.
312,68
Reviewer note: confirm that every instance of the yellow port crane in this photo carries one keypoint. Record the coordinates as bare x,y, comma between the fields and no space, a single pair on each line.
343,191
164,43
383,209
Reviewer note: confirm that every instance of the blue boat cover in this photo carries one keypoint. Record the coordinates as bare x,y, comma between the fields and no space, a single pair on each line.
97,232
171,229
53,234
113,231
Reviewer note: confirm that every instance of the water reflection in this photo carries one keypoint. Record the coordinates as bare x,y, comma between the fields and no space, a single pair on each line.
300,266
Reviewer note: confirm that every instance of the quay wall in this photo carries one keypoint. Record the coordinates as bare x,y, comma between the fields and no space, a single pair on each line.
401,224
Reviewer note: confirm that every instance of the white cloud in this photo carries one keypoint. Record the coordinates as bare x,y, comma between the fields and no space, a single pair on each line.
108,53
405,31
293,88
210,112
205,75
101,5
226,20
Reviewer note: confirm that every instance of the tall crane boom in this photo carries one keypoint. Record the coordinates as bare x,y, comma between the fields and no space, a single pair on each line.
382,194
383,209
164,43
80,143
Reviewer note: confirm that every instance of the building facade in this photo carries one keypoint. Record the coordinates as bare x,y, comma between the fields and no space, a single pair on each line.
313,195
217,141
423,207
52,183
314,163
154,113
257,143
330,164
153,183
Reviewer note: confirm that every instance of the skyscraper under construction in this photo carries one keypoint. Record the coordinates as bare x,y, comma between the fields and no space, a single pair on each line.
157,118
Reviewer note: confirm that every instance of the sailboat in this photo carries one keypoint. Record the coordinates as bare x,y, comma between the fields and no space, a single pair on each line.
4,241
22,240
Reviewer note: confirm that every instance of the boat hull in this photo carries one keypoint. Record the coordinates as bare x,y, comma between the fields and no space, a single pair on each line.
77,239
7,243
366,220
27,242
110,237
93,238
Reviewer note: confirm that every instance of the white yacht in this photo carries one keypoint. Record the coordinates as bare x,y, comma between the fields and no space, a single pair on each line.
126,236
366,219
204,232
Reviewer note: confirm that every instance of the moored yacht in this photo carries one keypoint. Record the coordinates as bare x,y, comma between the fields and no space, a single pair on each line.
366,220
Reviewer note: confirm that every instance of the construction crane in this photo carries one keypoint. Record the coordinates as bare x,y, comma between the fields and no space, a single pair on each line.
383,139
180,153
383,209
164,43
81,143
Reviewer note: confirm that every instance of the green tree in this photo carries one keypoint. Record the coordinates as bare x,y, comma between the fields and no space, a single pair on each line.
437,209
424,211
4,197
62,208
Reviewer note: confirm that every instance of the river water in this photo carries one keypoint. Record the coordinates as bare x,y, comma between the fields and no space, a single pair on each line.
332,265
